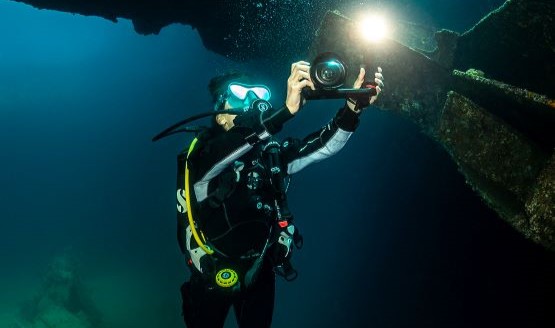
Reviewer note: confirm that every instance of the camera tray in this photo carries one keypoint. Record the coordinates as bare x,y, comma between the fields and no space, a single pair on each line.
363,93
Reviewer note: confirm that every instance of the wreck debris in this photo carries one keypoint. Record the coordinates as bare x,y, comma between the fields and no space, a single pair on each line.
508,171
63,301
500,135
514,44
531,113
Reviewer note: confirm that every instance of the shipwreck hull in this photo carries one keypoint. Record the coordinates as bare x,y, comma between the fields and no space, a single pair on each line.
500,135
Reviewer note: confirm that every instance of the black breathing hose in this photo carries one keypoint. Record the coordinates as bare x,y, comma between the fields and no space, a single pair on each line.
173,129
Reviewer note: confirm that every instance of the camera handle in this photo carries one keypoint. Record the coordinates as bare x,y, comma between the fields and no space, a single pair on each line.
365,93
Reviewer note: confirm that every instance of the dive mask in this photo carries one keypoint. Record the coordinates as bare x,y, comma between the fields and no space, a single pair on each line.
242,96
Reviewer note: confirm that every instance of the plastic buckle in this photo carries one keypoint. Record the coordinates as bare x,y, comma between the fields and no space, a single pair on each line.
252,139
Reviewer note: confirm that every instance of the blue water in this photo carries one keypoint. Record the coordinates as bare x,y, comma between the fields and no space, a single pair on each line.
393,235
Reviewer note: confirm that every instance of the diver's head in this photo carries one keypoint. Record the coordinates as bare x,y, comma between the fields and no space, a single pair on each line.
234,91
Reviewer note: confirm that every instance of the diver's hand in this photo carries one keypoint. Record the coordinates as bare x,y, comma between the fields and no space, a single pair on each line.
288,236
299,79
378,78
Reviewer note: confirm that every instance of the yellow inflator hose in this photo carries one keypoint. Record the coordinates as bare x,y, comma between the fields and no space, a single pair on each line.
204,247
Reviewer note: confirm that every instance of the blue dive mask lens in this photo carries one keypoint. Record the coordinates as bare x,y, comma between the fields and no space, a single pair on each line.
241,95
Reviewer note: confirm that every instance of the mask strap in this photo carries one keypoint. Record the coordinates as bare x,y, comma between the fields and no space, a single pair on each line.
219,105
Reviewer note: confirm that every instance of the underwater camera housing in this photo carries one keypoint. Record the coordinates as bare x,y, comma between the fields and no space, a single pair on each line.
328,73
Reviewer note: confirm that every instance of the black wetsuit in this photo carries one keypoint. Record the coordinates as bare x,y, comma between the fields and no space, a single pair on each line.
233,204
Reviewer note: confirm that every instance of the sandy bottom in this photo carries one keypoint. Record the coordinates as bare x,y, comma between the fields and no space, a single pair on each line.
124,298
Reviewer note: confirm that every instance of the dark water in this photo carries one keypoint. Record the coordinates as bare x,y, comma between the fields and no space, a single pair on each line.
393,235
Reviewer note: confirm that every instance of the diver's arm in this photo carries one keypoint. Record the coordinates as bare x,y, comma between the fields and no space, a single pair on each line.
212,156
329,140
323,143
264,123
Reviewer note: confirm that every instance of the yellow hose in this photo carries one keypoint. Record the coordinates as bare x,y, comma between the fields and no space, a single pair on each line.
188,201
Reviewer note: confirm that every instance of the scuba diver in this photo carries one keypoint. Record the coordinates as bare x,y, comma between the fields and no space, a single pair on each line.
234,225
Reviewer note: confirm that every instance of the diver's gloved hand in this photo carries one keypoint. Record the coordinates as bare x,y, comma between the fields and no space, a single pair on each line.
287,235
356,105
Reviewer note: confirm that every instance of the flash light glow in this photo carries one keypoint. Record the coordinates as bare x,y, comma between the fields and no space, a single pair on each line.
373,28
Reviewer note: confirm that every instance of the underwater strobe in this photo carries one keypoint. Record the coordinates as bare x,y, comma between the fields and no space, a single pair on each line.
329,73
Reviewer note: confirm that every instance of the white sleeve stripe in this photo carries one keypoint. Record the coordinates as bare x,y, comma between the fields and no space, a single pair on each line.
336,142
308,143
201,186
